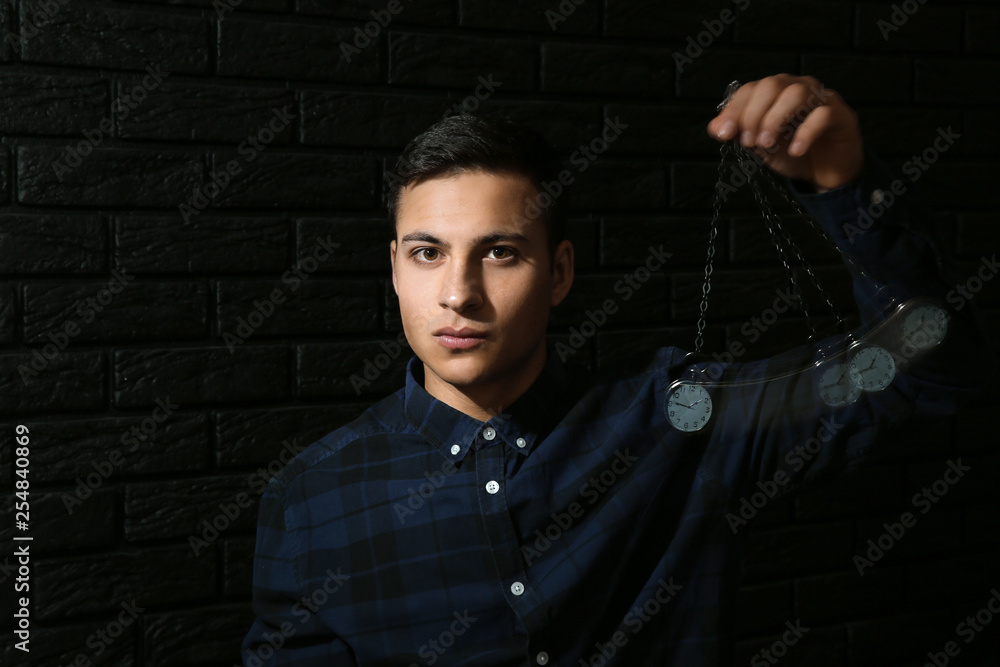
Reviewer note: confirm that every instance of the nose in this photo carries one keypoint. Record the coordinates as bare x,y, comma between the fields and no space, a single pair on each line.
462,285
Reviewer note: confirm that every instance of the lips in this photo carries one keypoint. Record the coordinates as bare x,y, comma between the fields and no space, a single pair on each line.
464,332
459,339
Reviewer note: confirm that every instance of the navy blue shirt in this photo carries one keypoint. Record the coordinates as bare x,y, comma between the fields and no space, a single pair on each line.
580,527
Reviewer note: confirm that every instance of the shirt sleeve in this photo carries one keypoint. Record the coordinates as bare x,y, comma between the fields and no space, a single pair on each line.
769,424
287,630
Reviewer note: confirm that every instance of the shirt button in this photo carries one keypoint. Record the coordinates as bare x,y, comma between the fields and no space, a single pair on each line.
517,588
489,433
521,442
492,486
878,196
455,449
542,658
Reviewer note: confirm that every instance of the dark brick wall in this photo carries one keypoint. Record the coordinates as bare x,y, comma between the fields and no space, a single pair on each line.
115,114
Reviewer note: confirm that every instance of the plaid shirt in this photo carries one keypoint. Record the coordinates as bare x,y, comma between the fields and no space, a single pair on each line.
579,527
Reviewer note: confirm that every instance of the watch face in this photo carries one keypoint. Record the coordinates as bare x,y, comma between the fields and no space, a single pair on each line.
925,327
688,407
872,368
838,386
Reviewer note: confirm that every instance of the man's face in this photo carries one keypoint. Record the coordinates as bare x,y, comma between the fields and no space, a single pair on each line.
466,257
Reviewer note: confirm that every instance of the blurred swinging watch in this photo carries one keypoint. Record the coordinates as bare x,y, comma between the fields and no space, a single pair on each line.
925,327
838,384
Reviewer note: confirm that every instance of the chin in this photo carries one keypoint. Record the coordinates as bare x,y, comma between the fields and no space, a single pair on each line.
461,368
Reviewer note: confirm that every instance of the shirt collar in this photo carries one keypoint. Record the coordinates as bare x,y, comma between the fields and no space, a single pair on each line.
525,422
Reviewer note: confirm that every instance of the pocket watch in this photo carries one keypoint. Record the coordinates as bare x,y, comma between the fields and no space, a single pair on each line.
925,327
838,386
688,407
872,368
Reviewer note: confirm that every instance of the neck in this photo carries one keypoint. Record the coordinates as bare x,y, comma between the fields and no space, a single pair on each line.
487,400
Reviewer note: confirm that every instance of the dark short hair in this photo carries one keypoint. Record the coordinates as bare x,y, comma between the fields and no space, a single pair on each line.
483,142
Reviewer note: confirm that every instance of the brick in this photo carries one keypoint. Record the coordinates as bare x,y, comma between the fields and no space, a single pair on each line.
750,241
8,313
531,15
299,180
459,62
351,369
107,177
625,242
664,19
78,35
563,124
840,596
959,81
899,640
366,119
8,24
189,112
960,580
607,69
624,348
794,550
364,243
643,302
91,525
259,437
237,567
961,185
313,306
100,314
180,508
223,9
695,185
582,233
881,27
881,78
66,381
763,608
795,23
880,488
200,375
709,74
34,244
663,128
4,175
937,532
614,184
205,245
35,104
981,27
739,294
64,450
85,584
434,12
976,233
287,50
985,127
192,636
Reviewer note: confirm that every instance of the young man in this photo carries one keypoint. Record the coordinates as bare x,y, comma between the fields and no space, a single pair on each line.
501,509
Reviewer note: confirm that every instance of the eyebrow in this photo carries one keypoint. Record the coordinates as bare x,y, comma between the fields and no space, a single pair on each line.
485,239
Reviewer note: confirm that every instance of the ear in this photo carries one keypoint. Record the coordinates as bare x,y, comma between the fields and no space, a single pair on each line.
562,271
392,263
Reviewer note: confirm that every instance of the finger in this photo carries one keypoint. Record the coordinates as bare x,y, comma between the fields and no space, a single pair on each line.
789,110
812,129
725,125
757,105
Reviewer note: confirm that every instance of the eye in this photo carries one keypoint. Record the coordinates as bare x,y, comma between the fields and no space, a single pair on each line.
421,254
505,252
